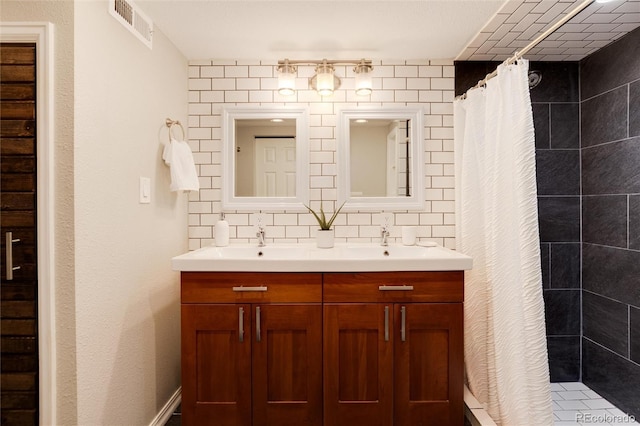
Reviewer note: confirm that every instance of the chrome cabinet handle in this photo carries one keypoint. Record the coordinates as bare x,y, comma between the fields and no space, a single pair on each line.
9,255
403,323
386,323
258,336
241,324
256,288
395,287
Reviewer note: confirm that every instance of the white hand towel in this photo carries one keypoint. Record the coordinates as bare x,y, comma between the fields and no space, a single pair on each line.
179,158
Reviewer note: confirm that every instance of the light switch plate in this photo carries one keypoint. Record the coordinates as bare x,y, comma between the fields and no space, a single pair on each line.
145,190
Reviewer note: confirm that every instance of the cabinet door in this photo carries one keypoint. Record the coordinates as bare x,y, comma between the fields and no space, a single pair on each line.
287,365
358,364
216,365
428,364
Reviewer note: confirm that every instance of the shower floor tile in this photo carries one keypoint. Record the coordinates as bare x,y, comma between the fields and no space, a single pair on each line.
574,404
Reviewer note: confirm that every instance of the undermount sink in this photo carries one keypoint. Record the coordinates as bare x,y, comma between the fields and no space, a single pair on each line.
309,258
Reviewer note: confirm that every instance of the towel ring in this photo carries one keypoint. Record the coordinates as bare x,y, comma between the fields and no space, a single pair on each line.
170,123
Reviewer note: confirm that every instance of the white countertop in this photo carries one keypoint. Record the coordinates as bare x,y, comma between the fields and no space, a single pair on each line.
308,258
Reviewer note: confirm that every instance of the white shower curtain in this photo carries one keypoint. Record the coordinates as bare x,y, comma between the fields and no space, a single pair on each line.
497,224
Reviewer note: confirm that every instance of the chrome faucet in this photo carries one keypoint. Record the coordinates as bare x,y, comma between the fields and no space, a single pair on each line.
261,234
384,236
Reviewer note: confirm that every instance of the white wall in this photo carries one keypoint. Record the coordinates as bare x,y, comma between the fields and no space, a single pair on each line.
127,296
428,84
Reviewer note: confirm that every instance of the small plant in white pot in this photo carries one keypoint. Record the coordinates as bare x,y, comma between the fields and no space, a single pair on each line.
325,235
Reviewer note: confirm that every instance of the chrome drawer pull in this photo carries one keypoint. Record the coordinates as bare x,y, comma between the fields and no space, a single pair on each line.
258,336
403,325
9,255
386,323
256,288
395,287
241,324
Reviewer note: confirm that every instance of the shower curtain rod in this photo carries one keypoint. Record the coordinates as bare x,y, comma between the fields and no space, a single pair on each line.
534,43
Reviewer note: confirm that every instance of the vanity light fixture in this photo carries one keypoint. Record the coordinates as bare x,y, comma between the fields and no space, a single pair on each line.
364,83
286,78
324,81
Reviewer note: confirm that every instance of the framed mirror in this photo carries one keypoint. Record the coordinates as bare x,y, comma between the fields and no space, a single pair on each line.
265,163
380,159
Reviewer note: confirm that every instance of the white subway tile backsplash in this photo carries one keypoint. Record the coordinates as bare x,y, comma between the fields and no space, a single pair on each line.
297,232
260,96
199,133
433,145
431,219
216,71
199,207
247,84
423,83
430,71
212,96
236,96
434,194
406,96
406,71
445,157
321,157
199,109
321,181
237,71
222,84
359,219
199,84
445,108
394,83
443,206
256,71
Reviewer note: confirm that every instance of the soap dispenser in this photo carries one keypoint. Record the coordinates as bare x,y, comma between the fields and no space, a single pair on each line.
221,232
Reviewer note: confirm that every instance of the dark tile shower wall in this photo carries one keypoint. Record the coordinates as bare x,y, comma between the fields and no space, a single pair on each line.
610,126
556,115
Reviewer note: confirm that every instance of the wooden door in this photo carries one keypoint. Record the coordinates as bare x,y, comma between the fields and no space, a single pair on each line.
358,365
216,365
18,294
428,364
287,365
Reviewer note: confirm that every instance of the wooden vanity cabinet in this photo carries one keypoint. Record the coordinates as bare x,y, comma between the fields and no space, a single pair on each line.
311,349
393,349
251,348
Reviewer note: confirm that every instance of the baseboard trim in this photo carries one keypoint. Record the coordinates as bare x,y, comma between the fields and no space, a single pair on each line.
474,411
165,414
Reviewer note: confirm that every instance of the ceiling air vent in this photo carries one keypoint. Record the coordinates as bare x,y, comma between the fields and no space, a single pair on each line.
128,14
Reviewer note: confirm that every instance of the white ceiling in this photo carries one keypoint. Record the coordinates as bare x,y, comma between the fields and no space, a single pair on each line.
317,29
386,29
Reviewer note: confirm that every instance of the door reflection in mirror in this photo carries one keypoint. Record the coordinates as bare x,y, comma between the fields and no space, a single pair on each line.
265,158
380,158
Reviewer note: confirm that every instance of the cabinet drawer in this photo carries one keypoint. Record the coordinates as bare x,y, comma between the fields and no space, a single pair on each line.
383,287
251,287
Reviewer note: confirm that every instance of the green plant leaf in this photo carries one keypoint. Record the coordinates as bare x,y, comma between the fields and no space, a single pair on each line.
334,216
322,218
